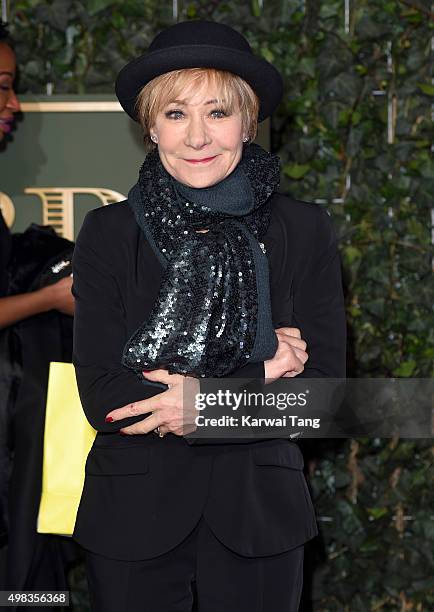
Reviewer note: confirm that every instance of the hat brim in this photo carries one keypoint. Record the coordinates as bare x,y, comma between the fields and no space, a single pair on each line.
262,76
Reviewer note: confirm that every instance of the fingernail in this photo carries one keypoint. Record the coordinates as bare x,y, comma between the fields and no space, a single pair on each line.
122,433
109,419
146,371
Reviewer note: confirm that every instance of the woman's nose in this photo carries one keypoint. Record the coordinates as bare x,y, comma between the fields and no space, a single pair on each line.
13,103
197,135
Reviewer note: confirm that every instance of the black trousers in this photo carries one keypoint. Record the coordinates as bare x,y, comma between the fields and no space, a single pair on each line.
200,571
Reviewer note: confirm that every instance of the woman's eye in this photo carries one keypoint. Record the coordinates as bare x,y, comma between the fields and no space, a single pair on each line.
220,111
174,112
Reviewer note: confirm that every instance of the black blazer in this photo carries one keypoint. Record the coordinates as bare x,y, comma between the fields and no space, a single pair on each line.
144,494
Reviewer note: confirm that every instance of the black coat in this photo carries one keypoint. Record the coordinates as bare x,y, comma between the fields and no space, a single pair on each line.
143,494
34,561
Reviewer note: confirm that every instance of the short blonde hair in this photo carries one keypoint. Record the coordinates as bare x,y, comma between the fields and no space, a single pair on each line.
166,87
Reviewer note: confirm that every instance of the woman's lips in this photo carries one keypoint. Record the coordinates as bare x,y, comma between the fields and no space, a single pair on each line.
204,160
6,125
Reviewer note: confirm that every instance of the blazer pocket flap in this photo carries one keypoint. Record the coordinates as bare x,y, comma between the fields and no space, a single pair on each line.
117,461
284,456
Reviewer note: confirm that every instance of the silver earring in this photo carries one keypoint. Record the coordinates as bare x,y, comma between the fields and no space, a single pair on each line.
154,138
245,139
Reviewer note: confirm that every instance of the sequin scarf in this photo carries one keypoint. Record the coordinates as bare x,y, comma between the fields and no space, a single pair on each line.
213,313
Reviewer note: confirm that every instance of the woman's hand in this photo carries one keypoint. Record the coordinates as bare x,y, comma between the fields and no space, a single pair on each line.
168,411
290,356
58,296
18,307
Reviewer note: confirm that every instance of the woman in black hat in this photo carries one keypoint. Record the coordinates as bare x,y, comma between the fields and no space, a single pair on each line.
206,271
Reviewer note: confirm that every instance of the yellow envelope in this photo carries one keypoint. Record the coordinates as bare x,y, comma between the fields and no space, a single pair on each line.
67,441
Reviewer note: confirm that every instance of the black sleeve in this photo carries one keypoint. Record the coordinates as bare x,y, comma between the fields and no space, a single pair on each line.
319,307
100,334
318,311
5,252
252,375
254,370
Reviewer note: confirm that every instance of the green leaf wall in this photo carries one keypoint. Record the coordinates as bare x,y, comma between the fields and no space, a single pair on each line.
354,133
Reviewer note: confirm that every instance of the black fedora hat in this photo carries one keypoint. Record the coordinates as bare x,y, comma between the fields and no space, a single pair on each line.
200,44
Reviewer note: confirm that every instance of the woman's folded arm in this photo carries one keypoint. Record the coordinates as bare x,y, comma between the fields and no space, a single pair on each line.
318,311
99,334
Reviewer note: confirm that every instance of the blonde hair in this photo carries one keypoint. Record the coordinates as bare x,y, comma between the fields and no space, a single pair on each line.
166,87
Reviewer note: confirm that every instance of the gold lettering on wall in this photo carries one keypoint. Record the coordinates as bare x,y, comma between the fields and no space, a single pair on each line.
8,209
58,205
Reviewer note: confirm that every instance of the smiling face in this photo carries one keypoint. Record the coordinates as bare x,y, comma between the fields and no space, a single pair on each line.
200,142
8,100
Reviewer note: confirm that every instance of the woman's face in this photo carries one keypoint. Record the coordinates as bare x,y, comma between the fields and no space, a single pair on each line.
8,100
195,128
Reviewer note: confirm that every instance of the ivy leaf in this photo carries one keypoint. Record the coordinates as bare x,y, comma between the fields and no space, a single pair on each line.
426,88
352,254
370,546
307,147
344,86
296,171
354,141
267,54
59,14
405,369
329,65
331,112
95,6
376,307
377,513
371,28
307,66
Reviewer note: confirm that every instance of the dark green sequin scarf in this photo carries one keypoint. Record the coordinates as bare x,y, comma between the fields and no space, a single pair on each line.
213,312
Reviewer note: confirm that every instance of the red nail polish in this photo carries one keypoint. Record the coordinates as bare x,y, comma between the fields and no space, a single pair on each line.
122,433
109,419
146,371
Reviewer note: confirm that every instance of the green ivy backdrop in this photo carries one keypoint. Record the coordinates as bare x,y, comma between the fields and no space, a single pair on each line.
354,133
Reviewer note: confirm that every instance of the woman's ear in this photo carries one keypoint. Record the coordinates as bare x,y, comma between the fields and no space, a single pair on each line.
152,134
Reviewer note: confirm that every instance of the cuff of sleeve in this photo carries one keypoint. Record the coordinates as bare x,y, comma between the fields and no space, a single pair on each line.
249,370
254,371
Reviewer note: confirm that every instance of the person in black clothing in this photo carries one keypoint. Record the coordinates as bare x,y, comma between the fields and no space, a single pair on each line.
35,328
205,271
18,307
